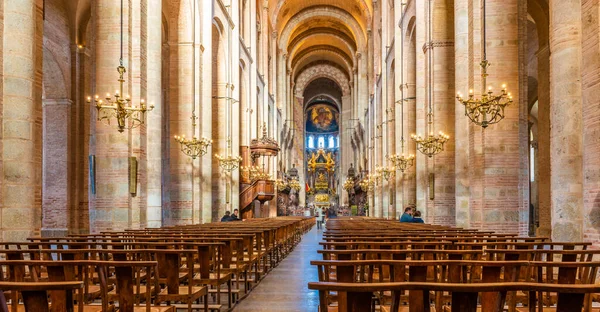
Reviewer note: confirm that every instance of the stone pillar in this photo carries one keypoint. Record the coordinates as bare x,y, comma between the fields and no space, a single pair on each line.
21,120
421,161
56,184
110,210
154,128
346,127
566,119
500,166
409,179
463,77
591,128
179,112
544,148
444,204
137,87
206,85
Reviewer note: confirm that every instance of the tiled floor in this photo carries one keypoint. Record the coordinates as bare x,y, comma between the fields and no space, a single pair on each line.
285,287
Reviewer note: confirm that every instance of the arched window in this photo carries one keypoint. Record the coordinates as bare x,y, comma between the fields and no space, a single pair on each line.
321,142
331,142
311,141
337,139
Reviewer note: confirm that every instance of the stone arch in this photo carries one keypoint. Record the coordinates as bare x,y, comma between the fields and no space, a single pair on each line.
57,121
328,12
54,85
343,42
364,5
322,70
337,56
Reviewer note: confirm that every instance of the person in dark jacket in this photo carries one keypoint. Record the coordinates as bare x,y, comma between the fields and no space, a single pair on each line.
407,215
226,217
235,215
417,217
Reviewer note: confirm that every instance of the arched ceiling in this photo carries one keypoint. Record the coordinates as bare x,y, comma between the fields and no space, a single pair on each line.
321,39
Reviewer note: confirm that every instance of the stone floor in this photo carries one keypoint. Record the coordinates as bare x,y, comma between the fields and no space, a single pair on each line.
285,287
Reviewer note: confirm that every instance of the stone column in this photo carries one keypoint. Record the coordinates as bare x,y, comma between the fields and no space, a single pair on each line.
56,184
421,161
591,133
544,147
566,119
111,202
205,85
154,128
500,165
21,119
409,106
391,135
463,77
444,204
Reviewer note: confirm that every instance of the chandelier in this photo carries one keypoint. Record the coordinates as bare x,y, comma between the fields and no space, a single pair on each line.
281,184
431,144
400,161
368,184
120,107
294,185
364,185
386,172
193,147
229,163
251,171
489,109
348,184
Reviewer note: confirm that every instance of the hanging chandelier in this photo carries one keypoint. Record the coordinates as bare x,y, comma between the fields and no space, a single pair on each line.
386,172
193,147
400,161
489,109
348,184
120,107
431,144
364,185
294,185
229,162
282,185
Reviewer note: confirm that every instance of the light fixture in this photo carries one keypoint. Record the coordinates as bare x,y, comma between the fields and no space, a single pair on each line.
229,162
431,144
120,107
282,185
348,184
400,161
386,172
193,147
489,109
364,185
294,185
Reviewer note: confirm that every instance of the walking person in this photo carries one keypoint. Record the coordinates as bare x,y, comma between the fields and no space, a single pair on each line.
318,214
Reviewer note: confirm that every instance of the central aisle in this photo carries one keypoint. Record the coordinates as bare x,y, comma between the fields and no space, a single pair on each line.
285,288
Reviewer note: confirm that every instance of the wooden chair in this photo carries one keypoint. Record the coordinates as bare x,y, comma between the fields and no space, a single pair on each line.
35,294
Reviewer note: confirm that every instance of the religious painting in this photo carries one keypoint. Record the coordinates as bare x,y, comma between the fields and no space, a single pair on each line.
321,118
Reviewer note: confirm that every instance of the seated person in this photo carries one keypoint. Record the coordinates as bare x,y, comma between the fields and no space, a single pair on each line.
226,217
417,217
234,216
407,215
